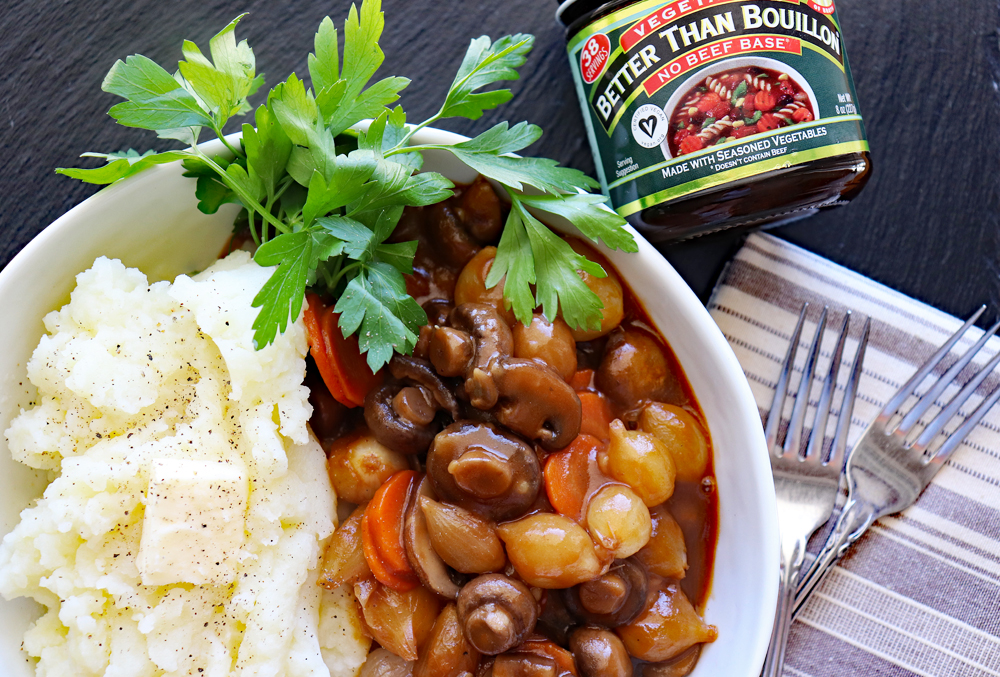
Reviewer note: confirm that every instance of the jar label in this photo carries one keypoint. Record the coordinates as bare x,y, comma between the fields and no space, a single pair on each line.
686,95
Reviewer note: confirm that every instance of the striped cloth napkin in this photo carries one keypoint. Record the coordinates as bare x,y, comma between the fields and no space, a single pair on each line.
919,594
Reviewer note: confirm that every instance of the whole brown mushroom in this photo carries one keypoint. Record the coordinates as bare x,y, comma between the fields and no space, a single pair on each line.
395,420
479,211
634,370
492,341
614,599
496,612
536,402
453,244
403,415
482,468
599,653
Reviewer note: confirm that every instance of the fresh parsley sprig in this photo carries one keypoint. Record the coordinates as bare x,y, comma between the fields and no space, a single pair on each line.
322,195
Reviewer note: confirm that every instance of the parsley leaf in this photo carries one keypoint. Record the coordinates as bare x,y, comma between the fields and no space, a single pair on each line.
485,64
324,201
295,108
324,64
343,99
488,155
120,165
375,304
211,192
155,99
586,211
281,297
395,184
515,260
267,148
558,286
359,240
348,182
223,86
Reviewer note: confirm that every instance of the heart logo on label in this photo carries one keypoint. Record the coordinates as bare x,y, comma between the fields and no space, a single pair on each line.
648,125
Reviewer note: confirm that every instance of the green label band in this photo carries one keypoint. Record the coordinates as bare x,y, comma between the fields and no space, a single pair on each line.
686,95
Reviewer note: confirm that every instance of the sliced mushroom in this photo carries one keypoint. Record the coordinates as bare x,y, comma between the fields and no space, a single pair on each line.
614,599
402,415
420,372
599,653
422,348
420,551
437,311
536,656
493,342
536,402
497,613
451,351
484,469
392,426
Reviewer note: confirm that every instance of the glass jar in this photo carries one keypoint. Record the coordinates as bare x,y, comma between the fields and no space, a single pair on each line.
713,114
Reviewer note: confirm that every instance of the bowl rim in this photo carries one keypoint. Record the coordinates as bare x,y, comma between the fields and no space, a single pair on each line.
699,321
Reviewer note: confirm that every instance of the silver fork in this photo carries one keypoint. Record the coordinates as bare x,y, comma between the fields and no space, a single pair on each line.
806,486
890,464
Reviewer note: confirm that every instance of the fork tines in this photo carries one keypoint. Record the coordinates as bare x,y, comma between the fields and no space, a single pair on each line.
933,428
793,435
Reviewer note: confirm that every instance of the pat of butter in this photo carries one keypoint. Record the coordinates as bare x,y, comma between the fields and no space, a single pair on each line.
194,524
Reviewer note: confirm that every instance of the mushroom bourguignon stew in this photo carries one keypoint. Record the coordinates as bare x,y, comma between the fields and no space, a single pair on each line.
531,500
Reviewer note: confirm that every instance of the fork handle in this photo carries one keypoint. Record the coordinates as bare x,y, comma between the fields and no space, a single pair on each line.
791,562
854,520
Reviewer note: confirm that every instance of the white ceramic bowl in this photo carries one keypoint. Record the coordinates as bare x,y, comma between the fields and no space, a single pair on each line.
151,222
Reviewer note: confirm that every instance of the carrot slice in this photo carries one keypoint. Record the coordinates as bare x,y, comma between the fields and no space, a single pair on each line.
378,568
382,532
582,380
596,415
570,475
312,313
344,369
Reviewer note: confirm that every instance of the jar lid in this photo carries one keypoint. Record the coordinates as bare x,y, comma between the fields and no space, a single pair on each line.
571,10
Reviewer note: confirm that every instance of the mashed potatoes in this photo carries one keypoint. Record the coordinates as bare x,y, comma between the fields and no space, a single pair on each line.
189,504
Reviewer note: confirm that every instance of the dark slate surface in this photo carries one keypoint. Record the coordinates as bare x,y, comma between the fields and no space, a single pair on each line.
927,224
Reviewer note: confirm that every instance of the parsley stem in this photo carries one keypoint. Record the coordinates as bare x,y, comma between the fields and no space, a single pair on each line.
253,227
401,146
408,149
344,271
248,200
222,138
